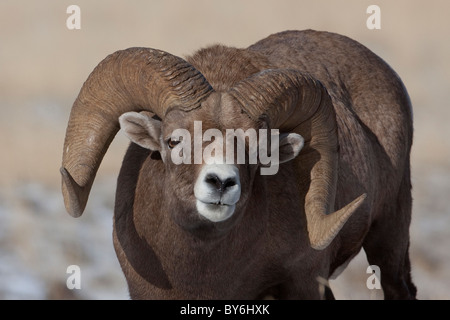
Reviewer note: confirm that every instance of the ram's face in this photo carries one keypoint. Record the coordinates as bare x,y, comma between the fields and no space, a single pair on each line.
212,154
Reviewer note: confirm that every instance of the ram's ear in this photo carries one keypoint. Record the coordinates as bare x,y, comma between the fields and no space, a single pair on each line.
141,129
290,146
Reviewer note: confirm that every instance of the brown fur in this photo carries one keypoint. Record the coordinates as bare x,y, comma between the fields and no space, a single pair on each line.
166,252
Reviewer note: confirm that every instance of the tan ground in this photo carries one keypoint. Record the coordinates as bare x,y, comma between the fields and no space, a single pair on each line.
43,65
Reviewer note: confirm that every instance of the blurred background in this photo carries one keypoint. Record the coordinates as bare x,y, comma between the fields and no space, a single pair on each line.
43,65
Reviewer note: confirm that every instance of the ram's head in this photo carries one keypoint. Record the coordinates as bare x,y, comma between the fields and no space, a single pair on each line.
164,104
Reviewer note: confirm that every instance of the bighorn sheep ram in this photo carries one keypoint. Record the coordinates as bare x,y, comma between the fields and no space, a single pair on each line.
215,230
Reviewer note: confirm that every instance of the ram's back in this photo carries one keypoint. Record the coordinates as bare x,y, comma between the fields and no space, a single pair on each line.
360,83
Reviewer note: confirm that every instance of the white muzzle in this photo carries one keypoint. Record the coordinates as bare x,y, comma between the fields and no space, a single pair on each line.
217,190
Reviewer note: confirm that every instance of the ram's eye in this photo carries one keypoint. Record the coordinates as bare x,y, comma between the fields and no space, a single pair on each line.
172,143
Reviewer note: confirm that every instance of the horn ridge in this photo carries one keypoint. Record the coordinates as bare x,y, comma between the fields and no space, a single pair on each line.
134,79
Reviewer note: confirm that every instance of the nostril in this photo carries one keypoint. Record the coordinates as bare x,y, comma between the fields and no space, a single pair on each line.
229,183
218,184
214,181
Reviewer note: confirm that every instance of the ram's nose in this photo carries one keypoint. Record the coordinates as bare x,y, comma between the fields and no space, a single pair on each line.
217,190
220,185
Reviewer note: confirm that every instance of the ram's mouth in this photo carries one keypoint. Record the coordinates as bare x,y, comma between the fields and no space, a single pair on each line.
219,203
215,211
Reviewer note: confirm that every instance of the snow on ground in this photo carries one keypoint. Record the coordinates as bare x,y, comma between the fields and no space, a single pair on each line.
39,240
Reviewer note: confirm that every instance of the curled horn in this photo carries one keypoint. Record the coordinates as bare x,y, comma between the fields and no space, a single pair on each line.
295,102
135,79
